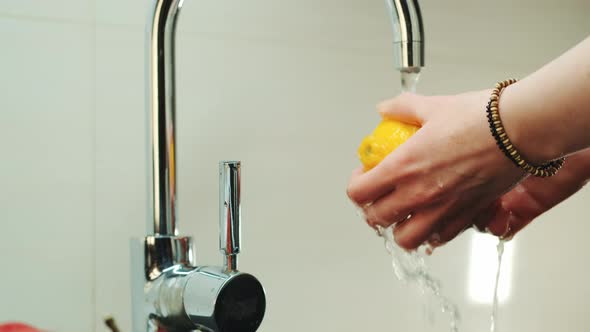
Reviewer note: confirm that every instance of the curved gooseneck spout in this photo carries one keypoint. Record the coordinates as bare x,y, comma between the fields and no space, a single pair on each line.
162,108
408,42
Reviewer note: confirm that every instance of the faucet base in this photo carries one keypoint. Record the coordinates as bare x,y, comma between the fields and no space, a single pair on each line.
151,258
170,294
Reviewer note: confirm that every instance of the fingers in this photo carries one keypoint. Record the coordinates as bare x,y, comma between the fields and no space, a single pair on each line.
513,211
506,222
500,221
515,225
367,187
364,188
482,220
360,188
356,173
454,228
413,232
462,221
388,210
407,107
499,225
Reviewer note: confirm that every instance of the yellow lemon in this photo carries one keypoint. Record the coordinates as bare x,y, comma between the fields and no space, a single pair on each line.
386,137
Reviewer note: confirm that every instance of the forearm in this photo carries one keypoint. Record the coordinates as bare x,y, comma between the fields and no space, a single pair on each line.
547,114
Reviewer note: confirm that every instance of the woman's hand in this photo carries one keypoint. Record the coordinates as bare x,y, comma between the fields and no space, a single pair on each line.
443,177
534,196
451,171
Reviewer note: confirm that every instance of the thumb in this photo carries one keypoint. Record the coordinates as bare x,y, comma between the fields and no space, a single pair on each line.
407,107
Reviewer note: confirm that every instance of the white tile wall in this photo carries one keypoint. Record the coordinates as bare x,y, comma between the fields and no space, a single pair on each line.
47,174
120,165
74,11
287,87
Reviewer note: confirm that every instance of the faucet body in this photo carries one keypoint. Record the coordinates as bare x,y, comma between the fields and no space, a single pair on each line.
169,291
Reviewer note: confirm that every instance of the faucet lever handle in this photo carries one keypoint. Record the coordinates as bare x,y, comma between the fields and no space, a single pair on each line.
229,212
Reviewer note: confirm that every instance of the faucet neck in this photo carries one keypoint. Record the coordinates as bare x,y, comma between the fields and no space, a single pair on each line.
162,109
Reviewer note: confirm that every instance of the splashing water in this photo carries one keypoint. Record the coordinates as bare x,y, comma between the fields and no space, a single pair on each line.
494,316
411,267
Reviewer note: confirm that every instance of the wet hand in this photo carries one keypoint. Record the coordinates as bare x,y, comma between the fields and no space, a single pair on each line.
534,196
444,176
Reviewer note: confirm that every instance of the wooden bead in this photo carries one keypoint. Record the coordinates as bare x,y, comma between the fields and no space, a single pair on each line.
503,141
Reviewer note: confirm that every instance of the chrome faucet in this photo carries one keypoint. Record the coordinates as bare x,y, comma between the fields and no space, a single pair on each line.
169,291
408,34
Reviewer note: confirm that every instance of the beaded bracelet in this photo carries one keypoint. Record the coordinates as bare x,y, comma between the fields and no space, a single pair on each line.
504,143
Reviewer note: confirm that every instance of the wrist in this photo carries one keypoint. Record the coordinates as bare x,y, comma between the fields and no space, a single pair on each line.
495,156
523,118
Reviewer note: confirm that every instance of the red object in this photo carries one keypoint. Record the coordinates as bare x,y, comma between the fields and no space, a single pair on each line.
17,327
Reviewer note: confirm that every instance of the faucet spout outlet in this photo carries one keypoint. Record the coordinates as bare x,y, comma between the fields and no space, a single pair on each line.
408,34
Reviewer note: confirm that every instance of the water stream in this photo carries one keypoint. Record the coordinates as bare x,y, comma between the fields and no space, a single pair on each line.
494,316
